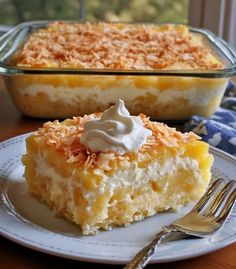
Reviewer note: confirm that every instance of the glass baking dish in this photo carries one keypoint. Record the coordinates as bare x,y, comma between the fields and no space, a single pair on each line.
160,94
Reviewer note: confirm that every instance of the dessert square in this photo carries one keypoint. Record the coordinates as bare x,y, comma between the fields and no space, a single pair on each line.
102,172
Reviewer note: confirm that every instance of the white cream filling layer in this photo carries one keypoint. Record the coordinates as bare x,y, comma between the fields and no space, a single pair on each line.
72,96
133,176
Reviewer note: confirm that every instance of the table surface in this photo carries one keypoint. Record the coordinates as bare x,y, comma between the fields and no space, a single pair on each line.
12,255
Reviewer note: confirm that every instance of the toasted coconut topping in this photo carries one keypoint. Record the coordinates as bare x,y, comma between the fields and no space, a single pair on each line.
116,46
65,138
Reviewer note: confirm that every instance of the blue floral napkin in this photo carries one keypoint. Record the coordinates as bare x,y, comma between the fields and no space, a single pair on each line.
219,130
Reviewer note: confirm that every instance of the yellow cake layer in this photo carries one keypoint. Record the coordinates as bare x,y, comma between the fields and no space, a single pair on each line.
107,82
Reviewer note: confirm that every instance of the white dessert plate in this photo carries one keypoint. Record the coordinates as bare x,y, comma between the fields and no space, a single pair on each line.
25,220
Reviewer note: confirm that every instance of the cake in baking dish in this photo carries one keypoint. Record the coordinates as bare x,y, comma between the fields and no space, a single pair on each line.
111,169
116,46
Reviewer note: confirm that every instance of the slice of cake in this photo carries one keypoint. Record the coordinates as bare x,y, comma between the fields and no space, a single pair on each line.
110,169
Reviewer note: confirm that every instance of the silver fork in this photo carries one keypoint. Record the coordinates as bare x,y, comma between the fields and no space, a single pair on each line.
206,218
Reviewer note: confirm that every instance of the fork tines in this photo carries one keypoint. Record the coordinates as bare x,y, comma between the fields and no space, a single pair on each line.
218,200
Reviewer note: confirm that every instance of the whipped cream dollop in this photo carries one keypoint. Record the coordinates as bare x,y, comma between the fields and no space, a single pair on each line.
116,131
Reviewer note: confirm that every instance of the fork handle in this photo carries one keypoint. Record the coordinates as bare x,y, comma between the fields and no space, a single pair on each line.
141,259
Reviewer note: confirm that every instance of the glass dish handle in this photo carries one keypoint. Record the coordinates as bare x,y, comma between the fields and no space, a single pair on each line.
4,39
9,42
227,46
